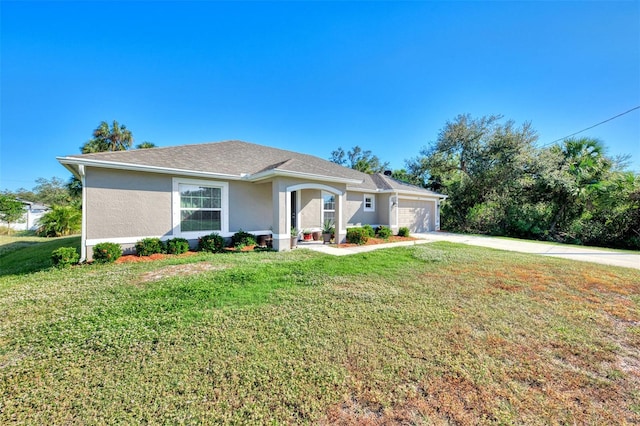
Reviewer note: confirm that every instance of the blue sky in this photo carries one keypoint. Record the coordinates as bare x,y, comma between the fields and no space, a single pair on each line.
309,76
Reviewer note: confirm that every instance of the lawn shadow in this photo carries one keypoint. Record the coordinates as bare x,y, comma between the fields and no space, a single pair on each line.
25,257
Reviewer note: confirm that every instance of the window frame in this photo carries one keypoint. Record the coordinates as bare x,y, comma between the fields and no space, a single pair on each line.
372,208
324,210
177,208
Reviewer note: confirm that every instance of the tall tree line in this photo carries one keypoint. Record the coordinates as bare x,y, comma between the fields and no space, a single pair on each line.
499,182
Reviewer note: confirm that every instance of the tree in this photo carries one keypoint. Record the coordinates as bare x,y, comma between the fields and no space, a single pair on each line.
52,191
579,169
482,165
116,138
11,210
146,145
74,186
59,221
357,159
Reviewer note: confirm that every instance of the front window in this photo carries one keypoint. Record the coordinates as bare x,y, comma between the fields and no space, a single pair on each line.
200,208
328,207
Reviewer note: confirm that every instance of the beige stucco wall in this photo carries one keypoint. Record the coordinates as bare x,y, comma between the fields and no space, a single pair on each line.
250,206
310,209
382,208
123,204
354,211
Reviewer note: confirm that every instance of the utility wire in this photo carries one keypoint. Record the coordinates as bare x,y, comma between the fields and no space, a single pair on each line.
591,127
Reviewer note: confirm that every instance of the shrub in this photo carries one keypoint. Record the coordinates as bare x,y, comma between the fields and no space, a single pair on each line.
403,232
106,252
357,236
243,239
64,257
149,246
59,221
212,243
384,232
177,246
369,231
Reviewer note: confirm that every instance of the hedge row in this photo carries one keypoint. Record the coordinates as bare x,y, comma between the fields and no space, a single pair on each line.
362,234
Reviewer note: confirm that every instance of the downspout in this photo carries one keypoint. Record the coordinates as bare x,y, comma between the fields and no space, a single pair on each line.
83,236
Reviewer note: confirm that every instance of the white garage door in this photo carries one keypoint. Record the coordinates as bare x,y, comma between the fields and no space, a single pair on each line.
416,215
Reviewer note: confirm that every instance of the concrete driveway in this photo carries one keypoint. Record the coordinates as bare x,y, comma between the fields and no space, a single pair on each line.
626,259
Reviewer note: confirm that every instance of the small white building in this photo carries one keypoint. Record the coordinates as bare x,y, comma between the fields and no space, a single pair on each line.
31,218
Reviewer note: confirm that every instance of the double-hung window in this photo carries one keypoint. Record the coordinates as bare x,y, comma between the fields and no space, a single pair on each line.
328,207
199,207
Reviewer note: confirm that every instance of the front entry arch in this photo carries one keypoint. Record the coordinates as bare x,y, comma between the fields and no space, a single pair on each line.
294,205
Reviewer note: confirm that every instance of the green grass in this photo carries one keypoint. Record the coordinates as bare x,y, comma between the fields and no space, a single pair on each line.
438,333
20,255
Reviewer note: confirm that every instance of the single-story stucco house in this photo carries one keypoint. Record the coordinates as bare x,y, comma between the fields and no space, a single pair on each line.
193,190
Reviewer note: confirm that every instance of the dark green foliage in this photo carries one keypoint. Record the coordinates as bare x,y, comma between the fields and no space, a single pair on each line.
357,236
243,239
403,232
498,182
177,246
106,252
358,159
149,246
212,243
369,230
105,138
384,232
64,257
11,210
60,221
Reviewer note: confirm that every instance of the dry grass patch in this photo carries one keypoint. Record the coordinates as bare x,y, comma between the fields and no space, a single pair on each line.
427,334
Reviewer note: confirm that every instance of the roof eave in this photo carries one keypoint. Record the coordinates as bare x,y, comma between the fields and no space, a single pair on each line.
415,193
69,162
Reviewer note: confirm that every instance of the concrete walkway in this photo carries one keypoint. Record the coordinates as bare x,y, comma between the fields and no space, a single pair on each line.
625,259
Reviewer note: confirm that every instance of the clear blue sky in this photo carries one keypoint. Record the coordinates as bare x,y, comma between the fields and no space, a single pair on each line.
309,76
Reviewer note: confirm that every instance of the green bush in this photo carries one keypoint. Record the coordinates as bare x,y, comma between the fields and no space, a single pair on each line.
212,243
149,246
384,232
177,246
64,257
243,239
403,232
106,252
357,236
60,221
369,231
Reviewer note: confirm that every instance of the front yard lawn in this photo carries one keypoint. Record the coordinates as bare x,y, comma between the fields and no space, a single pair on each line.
435,333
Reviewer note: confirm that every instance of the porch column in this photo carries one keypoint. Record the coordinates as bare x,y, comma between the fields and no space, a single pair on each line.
340,223
281,220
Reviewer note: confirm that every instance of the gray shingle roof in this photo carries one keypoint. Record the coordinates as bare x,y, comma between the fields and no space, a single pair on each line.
239,158
231,157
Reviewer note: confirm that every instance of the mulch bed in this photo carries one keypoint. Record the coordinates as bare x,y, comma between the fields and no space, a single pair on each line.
375,241
134,258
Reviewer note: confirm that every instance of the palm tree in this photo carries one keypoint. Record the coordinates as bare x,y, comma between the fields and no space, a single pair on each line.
116,138
584,166
145,145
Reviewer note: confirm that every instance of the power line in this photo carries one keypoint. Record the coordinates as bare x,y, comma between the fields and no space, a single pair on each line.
591,127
